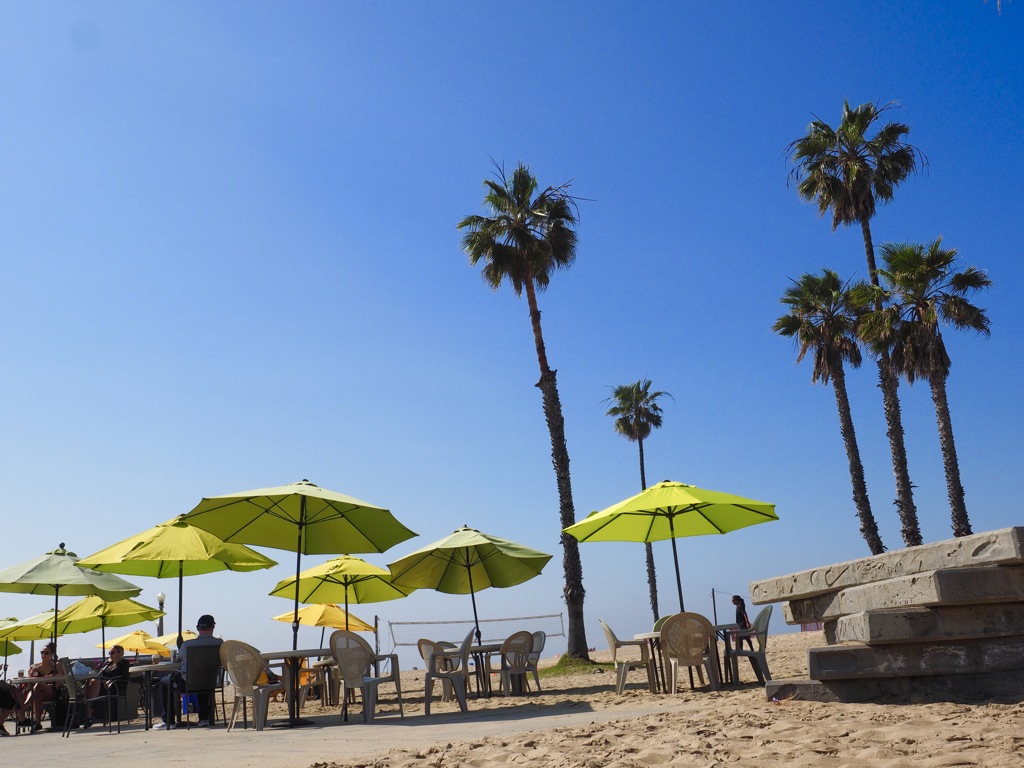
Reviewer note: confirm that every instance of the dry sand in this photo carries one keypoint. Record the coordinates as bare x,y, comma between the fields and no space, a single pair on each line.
735,726
579,721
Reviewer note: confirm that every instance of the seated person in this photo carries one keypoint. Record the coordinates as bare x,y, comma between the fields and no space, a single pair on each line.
175,681
112,680
10,701
42,693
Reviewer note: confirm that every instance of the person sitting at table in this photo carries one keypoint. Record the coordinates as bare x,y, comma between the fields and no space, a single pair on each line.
10,701
42,693
113,677
176,680
742,621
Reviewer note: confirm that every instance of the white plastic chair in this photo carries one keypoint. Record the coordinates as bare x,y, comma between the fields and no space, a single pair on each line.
759,631
439,668
245,665
355,657
539,639
688,640
622,667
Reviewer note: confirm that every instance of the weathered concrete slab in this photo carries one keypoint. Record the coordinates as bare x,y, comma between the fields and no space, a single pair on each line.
968,689
953,657
918,624
1000,547
949,586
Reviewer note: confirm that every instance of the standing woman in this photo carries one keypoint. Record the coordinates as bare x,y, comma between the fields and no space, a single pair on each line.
41,693
113,677
742,620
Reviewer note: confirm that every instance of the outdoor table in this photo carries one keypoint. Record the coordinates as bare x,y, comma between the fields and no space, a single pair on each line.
147,670
480,667
731,672
293,659
654,646
329,669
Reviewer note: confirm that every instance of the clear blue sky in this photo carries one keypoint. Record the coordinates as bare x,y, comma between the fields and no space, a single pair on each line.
230,261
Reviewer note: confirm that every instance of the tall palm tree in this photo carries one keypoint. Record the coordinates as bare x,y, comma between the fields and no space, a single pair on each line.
822,319
526,237
636,413
922,291
847,172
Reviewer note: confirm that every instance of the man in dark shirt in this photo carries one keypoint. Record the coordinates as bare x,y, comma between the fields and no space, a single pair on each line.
204,627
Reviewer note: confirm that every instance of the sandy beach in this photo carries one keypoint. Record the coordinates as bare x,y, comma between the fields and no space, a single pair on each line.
577,720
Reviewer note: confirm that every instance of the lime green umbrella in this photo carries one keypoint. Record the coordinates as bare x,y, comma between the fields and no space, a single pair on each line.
302,518
91,613
57,573
466,562
671,510
175,549
8,646
346,578
38,627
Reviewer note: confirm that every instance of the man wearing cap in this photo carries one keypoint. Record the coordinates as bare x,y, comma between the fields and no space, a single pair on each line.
204,627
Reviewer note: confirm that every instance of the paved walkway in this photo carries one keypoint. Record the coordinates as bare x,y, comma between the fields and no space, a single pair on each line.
325,741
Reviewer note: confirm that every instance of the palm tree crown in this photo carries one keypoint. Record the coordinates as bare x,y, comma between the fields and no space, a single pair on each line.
923,290
526,237
846,171
822,318
635,409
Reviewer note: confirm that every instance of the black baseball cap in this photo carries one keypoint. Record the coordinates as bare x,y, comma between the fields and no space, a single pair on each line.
206,622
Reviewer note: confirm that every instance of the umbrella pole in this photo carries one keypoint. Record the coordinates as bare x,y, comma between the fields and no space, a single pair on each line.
293,700
56,599
675,558
346,606
472,595
181,579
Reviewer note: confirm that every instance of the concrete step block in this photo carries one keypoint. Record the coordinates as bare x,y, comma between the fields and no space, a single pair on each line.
949,586
919,624
951,657
1000,547
967,689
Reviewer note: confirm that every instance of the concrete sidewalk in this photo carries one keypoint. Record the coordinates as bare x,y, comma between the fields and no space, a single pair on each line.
325,741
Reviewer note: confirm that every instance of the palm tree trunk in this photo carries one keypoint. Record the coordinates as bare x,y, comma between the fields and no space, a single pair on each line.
889,384
652,577
573,568
955,491
868,526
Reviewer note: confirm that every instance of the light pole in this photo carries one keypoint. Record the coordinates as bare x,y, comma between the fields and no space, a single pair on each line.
160,597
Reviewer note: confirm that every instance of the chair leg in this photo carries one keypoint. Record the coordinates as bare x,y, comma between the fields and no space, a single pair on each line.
620,684
460,693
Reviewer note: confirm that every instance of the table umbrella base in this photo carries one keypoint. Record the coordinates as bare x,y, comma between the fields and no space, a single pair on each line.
299,722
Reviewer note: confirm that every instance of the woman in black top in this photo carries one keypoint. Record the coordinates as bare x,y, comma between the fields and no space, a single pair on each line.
113,677
741,620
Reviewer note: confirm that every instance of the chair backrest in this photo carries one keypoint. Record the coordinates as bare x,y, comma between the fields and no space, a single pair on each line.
515,651
686,637
353,655
69,678
202,669
428,647
539,638
609,636
243,663
760,626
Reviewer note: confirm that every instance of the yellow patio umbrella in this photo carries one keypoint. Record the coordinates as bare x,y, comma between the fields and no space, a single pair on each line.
138,642
326,615
172,637
175,549
670,510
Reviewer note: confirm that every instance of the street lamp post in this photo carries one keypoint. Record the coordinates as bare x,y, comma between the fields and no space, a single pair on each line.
160,597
